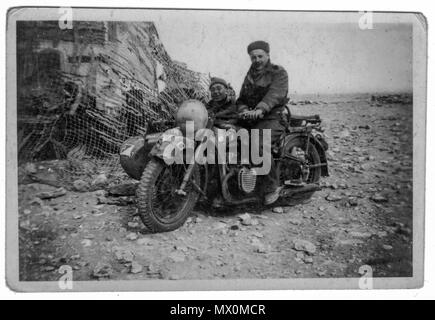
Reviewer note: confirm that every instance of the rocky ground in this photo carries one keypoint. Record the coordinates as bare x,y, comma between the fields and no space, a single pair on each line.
362,216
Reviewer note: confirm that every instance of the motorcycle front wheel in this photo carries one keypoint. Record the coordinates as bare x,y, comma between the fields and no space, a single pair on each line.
161,209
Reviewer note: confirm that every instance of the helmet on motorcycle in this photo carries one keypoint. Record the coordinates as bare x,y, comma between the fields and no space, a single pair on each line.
192,110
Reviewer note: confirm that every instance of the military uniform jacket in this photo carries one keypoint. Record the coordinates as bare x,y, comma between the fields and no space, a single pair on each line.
266,90
224,111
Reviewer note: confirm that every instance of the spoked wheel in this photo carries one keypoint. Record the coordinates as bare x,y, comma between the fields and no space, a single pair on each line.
303,172
160,207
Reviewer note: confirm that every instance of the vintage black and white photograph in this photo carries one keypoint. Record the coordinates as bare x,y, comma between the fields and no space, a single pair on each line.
249,149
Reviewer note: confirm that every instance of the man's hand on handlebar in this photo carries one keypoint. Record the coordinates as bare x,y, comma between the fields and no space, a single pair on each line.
252,114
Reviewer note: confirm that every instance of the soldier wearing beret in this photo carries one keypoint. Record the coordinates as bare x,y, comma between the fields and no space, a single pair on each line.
222,104
262,99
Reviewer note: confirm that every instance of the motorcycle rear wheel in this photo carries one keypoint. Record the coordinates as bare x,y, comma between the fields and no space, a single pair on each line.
160,208
313,158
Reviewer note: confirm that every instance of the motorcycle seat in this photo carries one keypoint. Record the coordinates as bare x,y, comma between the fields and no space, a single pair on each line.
314,117
297,119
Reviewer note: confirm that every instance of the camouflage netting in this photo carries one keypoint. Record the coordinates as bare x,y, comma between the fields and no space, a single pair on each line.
83,91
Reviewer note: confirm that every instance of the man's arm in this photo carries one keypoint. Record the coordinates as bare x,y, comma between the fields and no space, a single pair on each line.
277,91
241,101
229,115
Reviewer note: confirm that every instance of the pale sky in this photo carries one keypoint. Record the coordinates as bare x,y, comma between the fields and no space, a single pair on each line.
322,52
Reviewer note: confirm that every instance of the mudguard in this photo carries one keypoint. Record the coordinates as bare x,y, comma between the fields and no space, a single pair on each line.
134,155
320,146
171,145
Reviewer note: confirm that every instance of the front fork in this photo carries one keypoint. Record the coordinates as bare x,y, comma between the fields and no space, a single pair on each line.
188,176
180,191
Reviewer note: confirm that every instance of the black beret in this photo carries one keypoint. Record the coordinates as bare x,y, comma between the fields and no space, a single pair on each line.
258,45
215,80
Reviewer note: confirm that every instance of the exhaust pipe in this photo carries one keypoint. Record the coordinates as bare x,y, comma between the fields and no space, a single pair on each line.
288,192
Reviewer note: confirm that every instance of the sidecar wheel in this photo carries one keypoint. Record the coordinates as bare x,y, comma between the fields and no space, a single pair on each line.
160,209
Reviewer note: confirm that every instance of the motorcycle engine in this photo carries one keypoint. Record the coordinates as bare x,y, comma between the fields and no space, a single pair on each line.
247,179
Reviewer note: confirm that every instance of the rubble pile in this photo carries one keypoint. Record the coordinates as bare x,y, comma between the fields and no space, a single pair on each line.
392,99
83,91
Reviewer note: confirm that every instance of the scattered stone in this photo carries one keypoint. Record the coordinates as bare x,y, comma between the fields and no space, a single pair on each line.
350,242
48,268
83,263
100,180
357,234
136,268
353,202
246,219
102,270
278,210
132,236
219,226
387,247
308,260
198,219
382,234
304,245
258,235
152,269
123,256
261,247
133,224
144,241
51,194
367,127
80,185
345,133
100,193
30,168
401,229
174,277
254,222
333,197
27,211
300,255
378,198
37,201
235,227
121,201
86,243
295,221
126,189
177,256
181,248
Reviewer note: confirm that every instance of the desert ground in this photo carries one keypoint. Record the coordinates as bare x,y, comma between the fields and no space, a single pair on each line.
362,215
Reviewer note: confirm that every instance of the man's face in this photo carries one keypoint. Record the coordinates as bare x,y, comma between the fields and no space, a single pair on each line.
218,92
259,58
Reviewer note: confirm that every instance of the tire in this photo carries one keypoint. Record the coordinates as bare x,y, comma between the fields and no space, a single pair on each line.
148,203
315,173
